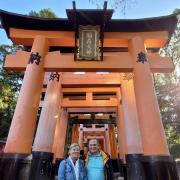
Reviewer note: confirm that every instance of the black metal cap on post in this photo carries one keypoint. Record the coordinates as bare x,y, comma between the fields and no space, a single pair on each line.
74,5
105,5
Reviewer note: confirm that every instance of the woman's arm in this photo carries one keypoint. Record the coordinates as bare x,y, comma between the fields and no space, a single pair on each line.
84,172
61,170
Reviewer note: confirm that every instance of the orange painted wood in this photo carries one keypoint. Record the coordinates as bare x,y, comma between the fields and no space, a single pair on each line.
85,103
22,128
49,114
112,141
152,131
62,134
155,39
56,61
131,123
75,133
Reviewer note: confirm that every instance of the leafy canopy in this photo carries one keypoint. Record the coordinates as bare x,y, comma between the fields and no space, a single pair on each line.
10,82
45,13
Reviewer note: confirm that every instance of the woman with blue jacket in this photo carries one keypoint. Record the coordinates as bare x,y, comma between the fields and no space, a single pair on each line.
72,168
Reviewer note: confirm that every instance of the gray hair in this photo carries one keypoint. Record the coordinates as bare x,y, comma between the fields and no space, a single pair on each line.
73,145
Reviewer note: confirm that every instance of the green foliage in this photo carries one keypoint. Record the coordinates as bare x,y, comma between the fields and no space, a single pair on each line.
10,82
9,89
168,93
176,11
45,13
173,140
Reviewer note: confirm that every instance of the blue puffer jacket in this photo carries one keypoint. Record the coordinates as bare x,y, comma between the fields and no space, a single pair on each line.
66,171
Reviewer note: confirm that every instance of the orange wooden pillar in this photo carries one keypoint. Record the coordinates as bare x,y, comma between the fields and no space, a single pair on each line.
43,143
107,140
80,140
131,123
75,133
50,110
156,154
24,120
112,142
56,134
62,134
133,140
152,131
121,129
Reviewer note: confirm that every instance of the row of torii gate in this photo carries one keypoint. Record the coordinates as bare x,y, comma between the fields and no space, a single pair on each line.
128,90
79,102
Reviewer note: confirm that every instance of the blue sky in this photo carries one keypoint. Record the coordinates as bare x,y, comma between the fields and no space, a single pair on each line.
135,8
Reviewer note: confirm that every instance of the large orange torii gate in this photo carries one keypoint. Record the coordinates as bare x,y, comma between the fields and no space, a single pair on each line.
127,46
113,62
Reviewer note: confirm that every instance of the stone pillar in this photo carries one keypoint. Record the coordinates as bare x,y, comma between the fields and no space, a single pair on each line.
107,140
80,141
43,143
22,128
152,131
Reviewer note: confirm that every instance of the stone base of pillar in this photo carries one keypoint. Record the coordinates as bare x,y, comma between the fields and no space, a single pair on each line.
14,166
159,168
135,169
41,167
58,160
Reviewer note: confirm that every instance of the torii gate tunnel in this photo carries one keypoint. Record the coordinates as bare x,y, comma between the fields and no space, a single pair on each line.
118,107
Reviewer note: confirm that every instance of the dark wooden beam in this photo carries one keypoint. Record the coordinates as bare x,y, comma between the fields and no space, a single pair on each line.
92,121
